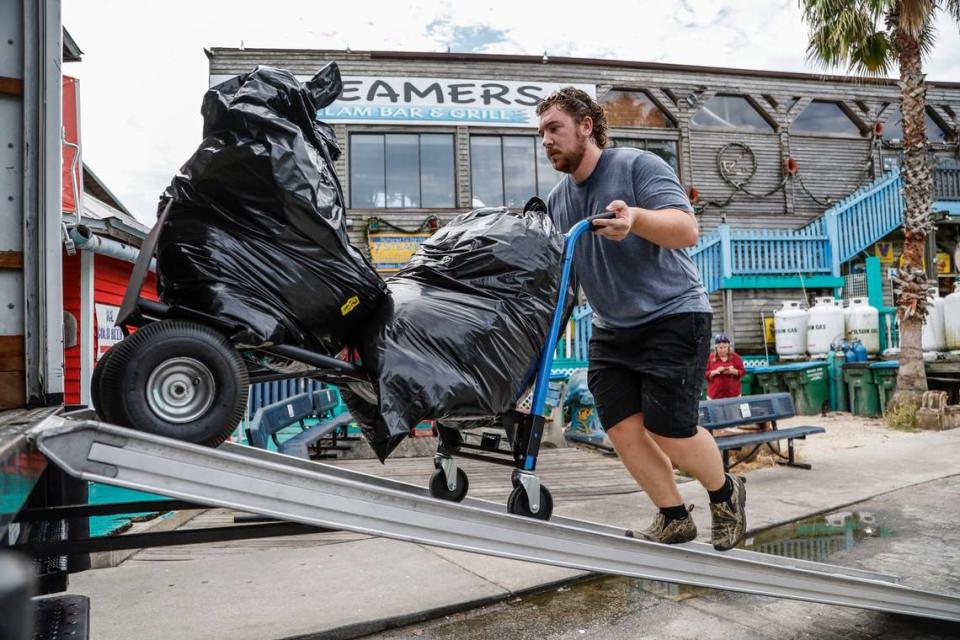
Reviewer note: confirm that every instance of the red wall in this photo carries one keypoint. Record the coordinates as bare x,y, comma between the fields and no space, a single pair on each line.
110,283
71,304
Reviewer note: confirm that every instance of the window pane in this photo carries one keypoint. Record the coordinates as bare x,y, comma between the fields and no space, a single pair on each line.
824,117
730,112
403,171
486,171
437,185
366,171
547,176
634,109
893,129
519,172
666,149
632,143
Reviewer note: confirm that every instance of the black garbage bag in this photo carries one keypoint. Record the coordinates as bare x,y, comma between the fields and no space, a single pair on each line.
459,337
256,231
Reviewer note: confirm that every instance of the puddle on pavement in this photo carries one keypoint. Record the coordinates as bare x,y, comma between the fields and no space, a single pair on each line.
819,537
814,539
605,599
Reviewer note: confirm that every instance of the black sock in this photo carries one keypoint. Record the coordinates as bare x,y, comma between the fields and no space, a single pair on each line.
678,512
723,493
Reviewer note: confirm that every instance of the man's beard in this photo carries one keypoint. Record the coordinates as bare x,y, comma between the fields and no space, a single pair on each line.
568,162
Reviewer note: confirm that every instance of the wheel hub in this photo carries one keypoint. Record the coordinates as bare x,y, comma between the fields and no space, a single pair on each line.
180,390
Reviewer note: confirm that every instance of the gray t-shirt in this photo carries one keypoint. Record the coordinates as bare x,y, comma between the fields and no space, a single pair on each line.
634,281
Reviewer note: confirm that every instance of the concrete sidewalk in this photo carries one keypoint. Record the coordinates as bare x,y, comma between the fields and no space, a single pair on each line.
361,585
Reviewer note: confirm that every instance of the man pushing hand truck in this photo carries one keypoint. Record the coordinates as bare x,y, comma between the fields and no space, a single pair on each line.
652,318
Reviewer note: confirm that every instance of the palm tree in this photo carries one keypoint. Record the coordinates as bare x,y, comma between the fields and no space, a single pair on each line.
867,36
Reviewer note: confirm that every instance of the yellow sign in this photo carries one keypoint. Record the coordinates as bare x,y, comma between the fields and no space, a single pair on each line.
943,263
884,251
391,251
768,330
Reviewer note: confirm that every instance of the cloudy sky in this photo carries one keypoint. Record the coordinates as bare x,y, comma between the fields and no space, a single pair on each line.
144,72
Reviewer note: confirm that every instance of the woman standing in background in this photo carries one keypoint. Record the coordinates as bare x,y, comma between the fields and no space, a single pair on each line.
724,370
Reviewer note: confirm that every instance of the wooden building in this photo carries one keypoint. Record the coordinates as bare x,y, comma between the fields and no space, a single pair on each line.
434,134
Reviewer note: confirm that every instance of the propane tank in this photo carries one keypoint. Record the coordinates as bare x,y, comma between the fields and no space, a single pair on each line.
824,326
951,319
934,337
790,330
863,323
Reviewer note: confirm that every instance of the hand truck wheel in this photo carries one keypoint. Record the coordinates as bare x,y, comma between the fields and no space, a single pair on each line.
519,503
439,488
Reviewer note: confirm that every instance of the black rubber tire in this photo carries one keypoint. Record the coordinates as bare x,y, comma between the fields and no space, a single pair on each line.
96,384
438,486
124,381
519,505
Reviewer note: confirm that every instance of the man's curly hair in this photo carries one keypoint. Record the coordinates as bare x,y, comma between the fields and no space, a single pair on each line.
579,105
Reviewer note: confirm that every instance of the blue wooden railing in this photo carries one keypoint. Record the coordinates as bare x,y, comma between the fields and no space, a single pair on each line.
844,230
865,216
766,252
707,255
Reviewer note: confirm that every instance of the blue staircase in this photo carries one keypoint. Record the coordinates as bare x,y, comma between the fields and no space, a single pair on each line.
731,258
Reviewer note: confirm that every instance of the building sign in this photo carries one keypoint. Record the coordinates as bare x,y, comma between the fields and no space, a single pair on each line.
107,334
438,101
884,251
389,252
943,263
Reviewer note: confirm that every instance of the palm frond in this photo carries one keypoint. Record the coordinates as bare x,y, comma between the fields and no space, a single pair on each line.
926,39
953,8
848,33
915,15
873,56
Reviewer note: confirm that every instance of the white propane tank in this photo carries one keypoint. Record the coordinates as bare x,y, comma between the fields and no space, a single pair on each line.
824,326
790,330
951,319
863,324
934,337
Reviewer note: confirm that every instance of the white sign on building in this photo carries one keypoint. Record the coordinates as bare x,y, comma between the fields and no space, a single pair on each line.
437,101
107,334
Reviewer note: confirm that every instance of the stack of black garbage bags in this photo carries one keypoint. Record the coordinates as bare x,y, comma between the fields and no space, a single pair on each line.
255,232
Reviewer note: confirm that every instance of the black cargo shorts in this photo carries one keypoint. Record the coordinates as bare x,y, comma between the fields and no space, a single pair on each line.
656,369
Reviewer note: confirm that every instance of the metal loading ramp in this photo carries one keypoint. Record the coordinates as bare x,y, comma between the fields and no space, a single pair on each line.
317,494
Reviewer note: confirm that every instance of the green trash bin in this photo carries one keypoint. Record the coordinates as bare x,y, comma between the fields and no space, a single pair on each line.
769,380
885,378
747,384
808,385
864,399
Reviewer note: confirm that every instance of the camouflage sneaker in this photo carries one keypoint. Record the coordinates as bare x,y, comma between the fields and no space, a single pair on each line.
673,532
729,518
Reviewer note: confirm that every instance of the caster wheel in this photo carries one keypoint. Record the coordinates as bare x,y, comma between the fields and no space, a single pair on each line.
439,488
518,503
175,379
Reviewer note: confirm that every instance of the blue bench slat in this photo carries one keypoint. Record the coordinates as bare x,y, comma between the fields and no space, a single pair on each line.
728,412
325,400
299,445
272,418
746,439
